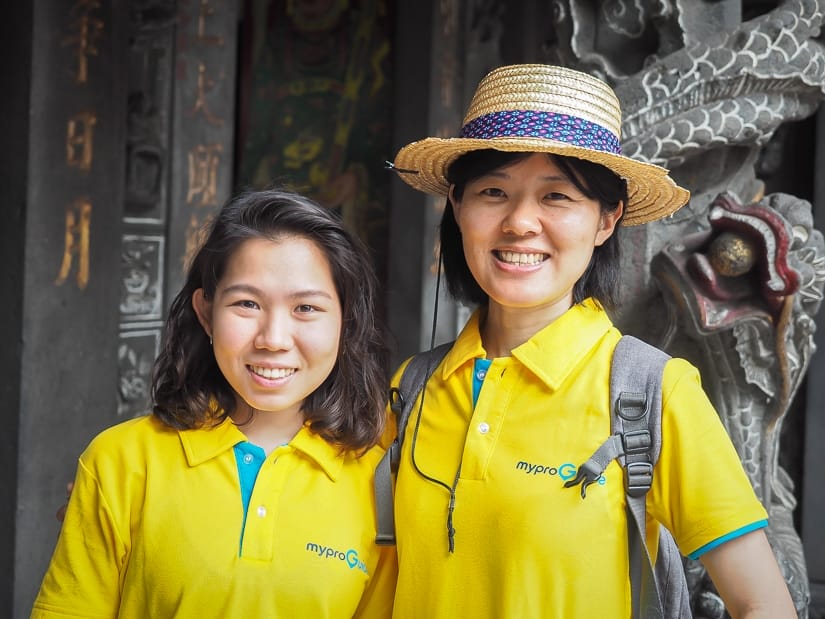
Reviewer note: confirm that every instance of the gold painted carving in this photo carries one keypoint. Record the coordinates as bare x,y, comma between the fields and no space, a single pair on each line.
203,173
78,219
86,30
205,10
195,236
79,140
205,84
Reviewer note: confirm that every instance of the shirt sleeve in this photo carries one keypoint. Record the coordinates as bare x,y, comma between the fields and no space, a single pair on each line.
83,577
700,490
377,601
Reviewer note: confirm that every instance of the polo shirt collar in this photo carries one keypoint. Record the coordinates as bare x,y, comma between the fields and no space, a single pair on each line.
203,444
551,354
326,455
467,346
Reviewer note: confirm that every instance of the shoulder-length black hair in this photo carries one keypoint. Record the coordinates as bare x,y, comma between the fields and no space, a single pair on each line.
601,279
347,409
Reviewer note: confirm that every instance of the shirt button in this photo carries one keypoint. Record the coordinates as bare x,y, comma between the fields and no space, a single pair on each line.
484,427
248,459
481,374
261,511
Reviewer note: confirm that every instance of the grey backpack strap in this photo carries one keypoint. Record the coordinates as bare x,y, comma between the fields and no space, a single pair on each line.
635,440
636,437
636,394
402,398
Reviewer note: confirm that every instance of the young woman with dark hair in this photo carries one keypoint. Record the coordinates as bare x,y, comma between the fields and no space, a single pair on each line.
342,409
248,492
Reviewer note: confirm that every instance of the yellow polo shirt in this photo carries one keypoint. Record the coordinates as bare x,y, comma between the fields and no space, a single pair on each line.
154,529
525,546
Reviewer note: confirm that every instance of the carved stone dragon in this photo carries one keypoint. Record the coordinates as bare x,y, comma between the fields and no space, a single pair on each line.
741,274
744,293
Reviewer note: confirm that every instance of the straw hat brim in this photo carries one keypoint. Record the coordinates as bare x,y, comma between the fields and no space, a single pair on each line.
652,193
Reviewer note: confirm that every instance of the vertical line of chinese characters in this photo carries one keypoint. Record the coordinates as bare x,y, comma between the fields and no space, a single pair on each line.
204,158
85,29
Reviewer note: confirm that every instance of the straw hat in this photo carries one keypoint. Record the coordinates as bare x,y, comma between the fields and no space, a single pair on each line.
548,109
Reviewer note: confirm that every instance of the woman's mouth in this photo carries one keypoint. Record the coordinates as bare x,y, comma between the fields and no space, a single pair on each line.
518,258
271,373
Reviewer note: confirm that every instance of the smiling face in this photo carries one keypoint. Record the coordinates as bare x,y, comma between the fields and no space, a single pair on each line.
528,235
275,321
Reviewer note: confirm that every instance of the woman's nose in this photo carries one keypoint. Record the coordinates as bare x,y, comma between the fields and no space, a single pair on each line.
522,218
275,333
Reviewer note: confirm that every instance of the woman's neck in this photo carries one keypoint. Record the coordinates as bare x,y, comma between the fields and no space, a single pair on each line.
505,328
267,429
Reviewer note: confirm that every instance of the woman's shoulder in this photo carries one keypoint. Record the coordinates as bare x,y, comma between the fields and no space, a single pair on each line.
676,369
141,426
129,438
679,370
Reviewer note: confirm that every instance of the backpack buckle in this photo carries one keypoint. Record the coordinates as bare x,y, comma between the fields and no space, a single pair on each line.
636,442
588,473
639,477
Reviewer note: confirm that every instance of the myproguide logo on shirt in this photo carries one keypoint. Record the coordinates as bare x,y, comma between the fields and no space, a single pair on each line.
349,557
564,471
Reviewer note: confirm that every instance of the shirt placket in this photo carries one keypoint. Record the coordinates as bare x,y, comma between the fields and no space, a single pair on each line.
262,516
488,419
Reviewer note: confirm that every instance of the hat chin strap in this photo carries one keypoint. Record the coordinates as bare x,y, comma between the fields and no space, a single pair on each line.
437,295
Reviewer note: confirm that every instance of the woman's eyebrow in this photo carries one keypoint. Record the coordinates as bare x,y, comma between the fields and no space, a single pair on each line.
550,177
295,294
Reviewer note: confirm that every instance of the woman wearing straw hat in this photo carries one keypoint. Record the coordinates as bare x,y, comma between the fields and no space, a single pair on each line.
536,189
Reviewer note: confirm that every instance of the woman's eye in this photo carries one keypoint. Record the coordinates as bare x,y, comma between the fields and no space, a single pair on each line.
556,196
247,304
493,192
305,309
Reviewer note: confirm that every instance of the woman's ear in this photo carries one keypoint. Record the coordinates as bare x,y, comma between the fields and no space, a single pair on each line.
608,224
455,203
203,310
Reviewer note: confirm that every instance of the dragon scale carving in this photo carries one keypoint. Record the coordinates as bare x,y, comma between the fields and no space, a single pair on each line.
741,274
731,90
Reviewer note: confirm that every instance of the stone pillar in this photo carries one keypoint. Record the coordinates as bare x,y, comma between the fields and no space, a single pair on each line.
118,148
62,177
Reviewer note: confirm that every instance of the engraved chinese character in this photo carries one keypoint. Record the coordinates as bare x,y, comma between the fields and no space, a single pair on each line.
205,84
86,30
78,219
195,236
205,11
203,173
79,140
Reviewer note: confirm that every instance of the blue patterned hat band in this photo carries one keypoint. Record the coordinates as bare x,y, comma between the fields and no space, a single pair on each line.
548,125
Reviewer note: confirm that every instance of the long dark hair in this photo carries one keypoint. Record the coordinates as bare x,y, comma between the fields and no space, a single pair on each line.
601,279
347,409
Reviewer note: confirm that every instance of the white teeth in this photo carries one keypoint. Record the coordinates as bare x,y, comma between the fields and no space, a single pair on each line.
512,257
271,373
